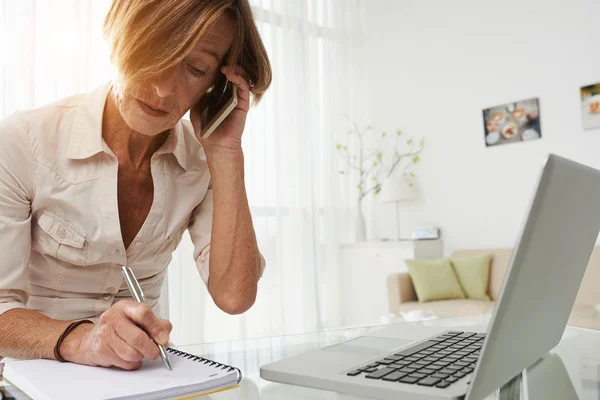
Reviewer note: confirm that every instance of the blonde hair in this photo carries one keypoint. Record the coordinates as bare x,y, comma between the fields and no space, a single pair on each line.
148,37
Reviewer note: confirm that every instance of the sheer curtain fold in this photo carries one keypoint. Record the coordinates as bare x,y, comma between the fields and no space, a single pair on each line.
53,49
50,50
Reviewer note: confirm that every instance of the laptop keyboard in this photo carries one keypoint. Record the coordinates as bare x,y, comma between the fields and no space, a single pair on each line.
438,362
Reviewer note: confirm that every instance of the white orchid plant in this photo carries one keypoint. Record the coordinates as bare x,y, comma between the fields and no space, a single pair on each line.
371,163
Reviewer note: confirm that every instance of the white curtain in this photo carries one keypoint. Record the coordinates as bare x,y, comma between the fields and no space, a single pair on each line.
53,48
50,49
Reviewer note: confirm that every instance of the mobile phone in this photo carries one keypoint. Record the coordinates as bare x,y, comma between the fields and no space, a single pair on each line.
220,116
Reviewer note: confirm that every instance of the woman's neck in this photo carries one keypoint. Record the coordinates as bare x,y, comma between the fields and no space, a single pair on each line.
130,147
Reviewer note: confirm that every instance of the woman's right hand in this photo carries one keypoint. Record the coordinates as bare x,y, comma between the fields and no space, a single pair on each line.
119,338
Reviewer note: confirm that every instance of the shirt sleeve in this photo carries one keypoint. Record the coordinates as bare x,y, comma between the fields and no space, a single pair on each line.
16,192
200,230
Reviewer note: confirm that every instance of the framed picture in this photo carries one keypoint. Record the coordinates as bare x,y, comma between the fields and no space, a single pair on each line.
512,123
590,106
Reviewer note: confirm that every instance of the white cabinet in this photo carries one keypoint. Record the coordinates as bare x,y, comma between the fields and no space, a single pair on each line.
364,269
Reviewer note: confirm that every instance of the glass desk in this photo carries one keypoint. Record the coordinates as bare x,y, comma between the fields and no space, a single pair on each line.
570,371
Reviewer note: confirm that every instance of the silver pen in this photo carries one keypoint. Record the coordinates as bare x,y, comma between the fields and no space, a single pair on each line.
138,295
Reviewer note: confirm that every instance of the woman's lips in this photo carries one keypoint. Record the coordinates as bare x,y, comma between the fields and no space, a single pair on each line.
150,110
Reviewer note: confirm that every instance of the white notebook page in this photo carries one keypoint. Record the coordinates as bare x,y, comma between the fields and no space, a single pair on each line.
52,380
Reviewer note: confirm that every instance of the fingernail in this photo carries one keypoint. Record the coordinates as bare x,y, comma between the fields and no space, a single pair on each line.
163,338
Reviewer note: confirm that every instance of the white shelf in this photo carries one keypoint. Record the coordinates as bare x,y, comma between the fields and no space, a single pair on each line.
365,267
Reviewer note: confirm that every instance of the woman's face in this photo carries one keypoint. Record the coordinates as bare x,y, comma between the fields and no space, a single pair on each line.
158,106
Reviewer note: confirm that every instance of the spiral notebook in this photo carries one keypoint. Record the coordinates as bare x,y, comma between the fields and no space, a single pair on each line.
52,380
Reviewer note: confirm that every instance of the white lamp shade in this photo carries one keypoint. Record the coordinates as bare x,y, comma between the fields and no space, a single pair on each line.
397,188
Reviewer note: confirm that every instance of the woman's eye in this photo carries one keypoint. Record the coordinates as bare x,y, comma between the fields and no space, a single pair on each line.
195,71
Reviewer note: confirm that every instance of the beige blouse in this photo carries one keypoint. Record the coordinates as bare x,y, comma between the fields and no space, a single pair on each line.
60,241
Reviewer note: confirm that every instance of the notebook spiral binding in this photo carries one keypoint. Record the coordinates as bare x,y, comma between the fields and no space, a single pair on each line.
206,361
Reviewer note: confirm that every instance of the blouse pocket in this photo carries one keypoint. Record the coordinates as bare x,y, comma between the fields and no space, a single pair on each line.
60,239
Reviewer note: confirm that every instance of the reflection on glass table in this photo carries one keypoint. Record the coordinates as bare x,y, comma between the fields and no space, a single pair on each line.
549,379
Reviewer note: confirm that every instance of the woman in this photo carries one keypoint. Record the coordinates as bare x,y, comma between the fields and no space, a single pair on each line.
115,177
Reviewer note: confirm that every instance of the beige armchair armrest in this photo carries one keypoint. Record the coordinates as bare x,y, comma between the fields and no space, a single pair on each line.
400,290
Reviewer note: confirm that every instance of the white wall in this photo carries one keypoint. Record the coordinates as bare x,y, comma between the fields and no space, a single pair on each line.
435,64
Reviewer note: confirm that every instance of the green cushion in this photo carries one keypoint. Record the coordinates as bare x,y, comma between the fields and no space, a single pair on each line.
434,280
473,274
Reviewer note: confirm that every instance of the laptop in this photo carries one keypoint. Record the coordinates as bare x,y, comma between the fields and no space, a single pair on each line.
538,293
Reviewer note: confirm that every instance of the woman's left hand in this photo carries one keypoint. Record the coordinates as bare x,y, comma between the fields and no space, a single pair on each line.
228,135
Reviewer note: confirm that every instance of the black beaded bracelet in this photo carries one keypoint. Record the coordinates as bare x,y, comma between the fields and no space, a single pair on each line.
62,337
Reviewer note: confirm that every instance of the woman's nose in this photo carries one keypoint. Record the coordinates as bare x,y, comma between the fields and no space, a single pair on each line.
166,83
